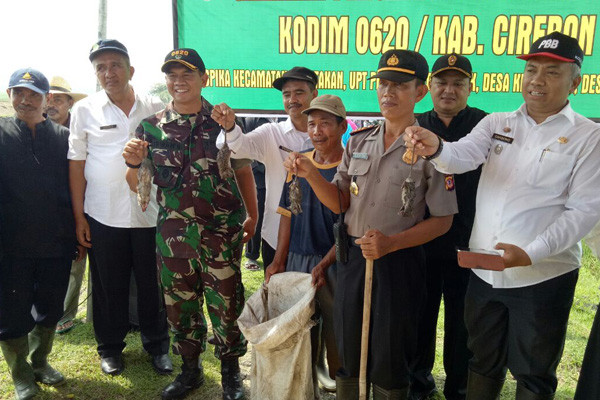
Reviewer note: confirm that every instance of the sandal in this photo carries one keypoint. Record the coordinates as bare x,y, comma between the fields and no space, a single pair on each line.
65,327
252,265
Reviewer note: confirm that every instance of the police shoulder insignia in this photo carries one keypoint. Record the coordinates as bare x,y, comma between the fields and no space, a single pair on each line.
363,129
449,182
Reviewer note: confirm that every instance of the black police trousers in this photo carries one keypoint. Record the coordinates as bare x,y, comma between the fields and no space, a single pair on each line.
397,299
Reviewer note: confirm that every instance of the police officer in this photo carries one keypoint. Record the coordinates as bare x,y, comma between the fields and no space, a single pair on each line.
199,230
371,177
451,118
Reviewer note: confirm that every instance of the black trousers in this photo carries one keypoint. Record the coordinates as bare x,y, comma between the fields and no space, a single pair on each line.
588,386
115,253
521,329
253,245
397,299
31,284
447,278
268,254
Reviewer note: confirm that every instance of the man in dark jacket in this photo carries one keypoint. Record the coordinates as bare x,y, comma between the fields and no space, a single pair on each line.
38,232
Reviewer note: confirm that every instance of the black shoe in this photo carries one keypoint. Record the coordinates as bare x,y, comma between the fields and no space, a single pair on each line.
112,365
190,378
162,364
233,389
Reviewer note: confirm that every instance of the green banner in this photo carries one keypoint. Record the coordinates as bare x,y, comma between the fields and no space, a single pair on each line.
246,44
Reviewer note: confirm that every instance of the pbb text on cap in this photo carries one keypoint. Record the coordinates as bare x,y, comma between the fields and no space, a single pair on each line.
557,46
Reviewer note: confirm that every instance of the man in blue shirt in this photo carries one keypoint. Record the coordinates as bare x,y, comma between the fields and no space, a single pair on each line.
305,241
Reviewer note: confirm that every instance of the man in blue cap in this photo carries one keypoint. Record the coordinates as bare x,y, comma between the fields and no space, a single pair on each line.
38,232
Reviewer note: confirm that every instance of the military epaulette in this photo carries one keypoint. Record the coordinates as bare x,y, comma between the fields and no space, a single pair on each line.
363,129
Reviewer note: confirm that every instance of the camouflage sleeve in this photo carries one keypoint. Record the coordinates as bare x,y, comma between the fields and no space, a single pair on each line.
237,163
140,133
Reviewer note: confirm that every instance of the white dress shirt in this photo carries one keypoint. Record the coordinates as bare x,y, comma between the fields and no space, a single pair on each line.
539,192
262,144
99,132
593,240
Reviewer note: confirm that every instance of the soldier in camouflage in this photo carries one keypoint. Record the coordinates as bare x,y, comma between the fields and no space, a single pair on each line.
201,225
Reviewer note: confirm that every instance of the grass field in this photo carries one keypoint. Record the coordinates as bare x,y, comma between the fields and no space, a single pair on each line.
75,355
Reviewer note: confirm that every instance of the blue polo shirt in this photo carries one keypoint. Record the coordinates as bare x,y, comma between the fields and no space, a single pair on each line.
312,229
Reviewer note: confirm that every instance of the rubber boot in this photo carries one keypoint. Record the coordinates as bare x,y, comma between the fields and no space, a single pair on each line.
481,387
231,380
394,394
526,394
323,372
15,353
347,388
190,378
41,339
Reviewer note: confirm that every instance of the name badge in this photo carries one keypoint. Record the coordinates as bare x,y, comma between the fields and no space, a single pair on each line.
105,127
363,156
502,138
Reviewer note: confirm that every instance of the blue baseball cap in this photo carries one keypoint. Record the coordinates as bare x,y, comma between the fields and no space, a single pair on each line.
107,45
31,79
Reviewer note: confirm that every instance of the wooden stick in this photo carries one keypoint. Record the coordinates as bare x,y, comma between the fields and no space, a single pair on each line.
364,341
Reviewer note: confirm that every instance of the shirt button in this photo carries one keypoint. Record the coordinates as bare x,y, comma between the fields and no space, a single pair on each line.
368,227
372,204
355,170
378,180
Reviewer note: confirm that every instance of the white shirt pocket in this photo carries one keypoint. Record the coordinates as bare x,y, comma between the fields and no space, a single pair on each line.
551,171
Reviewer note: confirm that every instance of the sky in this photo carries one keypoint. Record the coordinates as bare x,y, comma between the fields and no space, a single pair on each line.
55,37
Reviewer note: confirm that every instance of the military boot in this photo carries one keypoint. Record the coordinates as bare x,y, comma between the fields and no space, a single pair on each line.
15,353
481,387
347,388
190,378
40,344
394,394
526,394
231,380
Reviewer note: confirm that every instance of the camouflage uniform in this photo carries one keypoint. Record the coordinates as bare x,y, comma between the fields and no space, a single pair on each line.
198,233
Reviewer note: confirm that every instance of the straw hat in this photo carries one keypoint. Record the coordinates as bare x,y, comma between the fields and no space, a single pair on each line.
59,85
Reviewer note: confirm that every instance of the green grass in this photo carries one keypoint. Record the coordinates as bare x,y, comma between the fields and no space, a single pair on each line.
75,355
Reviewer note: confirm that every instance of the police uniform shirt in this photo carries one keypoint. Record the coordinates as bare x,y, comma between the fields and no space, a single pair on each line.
444,247
538,189
379,175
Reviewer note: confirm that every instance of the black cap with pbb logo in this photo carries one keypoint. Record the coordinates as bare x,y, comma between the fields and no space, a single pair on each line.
557,46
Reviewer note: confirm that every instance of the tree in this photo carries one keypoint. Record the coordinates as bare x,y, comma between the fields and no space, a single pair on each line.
160,90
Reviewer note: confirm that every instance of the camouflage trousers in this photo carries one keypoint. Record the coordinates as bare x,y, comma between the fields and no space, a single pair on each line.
214,277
